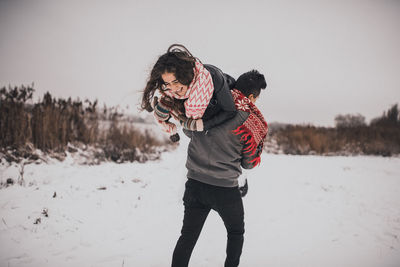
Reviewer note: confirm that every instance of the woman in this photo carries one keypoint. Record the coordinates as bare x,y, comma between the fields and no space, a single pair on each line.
197,95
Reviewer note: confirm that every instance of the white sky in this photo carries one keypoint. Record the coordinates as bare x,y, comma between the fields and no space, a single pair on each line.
320,58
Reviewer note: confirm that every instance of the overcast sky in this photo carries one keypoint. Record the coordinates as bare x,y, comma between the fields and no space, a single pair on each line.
320,58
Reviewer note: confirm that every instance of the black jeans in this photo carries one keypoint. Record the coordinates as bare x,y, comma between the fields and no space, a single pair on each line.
199,199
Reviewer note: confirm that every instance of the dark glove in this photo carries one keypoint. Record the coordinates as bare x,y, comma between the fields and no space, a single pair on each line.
174,138
243,189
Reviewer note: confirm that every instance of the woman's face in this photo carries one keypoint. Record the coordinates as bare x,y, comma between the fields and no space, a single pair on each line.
172,84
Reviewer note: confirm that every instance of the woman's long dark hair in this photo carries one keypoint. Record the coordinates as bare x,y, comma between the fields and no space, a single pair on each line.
177,60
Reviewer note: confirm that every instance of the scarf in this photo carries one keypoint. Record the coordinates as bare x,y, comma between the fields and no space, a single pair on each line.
199,92
254,129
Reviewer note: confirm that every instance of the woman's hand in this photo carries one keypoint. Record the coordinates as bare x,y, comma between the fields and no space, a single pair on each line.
192,124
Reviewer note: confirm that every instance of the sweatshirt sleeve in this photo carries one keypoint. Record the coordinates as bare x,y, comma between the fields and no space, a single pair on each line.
224,100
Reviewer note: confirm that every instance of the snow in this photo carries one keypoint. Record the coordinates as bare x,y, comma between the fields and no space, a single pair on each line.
299,211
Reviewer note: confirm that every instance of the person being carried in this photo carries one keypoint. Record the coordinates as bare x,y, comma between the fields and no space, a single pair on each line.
214,163
197,95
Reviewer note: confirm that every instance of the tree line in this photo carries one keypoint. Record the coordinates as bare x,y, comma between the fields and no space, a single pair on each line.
350,136
52,124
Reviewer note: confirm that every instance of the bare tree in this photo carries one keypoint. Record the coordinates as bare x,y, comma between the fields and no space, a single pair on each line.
349,121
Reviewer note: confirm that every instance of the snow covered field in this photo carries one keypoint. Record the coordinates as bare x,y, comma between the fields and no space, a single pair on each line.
300,211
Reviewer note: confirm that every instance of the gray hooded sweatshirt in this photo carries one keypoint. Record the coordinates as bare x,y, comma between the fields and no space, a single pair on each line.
216,156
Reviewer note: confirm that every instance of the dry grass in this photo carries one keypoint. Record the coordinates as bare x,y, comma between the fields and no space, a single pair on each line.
51,124
368,140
